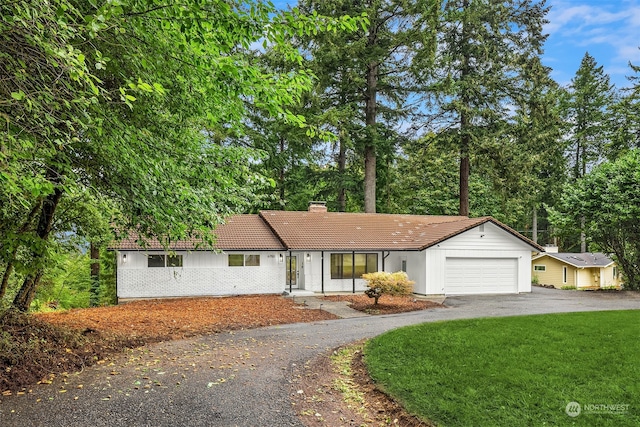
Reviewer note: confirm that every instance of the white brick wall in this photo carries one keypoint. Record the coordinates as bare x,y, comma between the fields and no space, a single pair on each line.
138,281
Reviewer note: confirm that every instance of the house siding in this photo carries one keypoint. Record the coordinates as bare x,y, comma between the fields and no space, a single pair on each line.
491,242
586,277
553,274
202,274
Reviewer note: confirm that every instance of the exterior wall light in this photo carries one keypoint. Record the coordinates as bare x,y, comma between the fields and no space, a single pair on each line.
124,258
308,257
281,258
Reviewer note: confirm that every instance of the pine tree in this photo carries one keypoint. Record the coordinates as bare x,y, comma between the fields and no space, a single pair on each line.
478,66
364,76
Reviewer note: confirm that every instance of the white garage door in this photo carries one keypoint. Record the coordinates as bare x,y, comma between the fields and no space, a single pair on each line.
481,276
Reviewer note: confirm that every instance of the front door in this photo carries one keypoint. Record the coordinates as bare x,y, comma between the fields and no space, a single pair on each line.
292,271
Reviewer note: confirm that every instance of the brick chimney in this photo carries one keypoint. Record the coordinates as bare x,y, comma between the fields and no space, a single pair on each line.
317,206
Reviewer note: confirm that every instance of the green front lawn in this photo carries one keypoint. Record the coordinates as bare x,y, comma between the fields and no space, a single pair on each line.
515,371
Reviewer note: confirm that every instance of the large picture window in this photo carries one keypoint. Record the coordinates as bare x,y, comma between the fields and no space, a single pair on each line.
164,260
346,266
242,260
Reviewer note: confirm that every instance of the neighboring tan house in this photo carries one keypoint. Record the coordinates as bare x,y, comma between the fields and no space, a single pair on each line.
319,251
579,270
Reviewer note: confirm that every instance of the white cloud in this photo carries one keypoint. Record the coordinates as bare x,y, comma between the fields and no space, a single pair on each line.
608,29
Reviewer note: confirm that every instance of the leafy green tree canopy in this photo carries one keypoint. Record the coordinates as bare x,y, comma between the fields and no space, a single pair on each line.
607,199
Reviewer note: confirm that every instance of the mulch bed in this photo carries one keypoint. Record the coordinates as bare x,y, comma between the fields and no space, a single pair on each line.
386,304
37,347
165,319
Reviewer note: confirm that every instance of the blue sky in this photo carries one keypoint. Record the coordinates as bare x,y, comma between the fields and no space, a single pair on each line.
608,29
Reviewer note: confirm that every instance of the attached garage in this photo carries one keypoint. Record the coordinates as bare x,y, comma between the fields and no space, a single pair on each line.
464,276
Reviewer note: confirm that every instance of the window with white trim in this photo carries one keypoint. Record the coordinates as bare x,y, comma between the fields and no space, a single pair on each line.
243,260
564,274
164,261
539,268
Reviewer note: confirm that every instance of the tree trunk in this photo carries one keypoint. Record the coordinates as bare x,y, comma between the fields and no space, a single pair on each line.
94,298
5,277
465,137
342,170
25,295
583,236
8,271
534,222
281,177
370,122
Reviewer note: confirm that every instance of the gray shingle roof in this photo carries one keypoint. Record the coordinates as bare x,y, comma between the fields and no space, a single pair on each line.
586,259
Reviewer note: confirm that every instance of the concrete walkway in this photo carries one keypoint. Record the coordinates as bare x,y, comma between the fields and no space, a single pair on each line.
246,378
339,308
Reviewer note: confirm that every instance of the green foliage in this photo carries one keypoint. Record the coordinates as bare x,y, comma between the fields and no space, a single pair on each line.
512,371
568,288
128,108
383,283
590,98
66,285
607,202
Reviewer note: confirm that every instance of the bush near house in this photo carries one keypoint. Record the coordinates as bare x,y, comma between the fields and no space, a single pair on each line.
383,283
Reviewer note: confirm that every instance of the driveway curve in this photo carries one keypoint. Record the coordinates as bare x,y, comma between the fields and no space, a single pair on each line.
243,378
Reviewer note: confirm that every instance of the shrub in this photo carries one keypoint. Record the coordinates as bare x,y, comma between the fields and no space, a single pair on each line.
383,283
568,288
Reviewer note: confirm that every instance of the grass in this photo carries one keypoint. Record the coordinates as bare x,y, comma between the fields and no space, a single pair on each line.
514,371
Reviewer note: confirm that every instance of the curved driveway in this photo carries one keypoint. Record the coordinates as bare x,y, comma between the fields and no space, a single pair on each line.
244,378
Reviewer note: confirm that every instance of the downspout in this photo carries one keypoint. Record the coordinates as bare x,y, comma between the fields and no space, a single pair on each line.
384,257
353,270
322,271
116,270
290,275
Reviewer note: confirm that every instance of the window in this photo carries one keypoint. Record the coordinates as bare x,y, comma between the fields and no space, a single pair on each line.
174,260
164,260
252,260
539,268
615,272
564,274
241,260
403,265
344,267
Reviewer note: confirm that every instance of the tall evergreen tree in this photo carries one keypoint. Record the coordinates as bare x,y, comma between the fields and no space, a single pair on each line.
364,76
626,123
479,63
588,109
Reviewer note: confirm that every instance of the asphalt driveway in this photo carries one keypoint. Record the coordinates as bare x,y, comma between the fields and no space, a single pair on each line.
244,378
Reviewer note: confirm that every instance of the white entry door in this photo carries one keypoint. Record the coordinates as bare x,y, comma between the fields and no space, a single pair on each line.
468,276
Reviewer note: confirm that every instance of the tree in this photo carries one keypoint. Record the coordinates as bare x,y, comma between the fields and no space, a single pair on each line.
537,170
626,123
134,125
364,77
590,97
605,204
478,67
382,283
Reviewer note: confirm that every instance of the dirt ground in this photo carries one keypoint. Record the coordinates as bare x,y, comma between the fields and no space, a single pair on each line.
336,390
